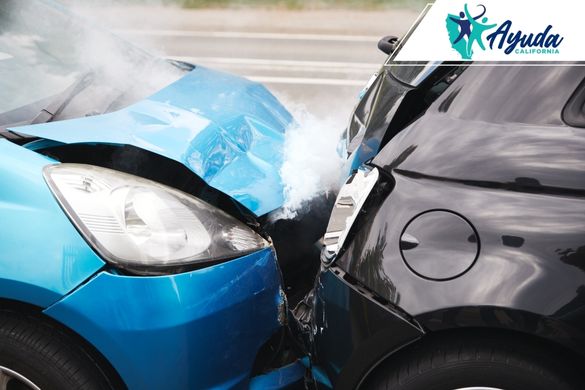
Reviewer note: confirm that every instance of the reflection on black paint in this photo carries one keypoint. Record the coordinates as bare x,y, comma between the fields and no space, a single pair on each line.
445,104
512,241
573,257
402,156
370,267
527,181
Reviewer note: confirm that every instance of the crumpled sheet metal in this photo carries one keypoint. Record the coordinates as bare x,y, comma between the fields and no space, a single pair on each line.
226,129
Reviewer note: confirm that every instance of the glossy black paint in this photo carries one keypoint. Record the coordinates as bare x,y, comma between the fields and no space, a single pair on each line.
398,95
493,148
439,245
573,113
355,330
374,112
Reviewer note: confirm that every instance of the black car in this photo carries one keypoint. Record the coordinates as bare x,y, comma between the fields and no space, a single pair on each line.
455,255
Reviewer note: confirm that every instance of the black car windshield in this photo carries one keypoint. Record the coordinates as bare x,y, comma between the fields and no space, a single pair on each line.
411,73
45,49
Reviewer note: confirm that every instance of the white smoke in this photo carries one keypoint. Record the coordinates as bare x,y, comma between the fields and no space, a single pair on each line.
312,161
125,66
50,46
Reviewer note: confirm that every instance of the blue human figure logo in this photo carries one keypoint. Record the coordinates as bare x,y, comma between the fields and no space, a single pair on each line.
464,30
477,30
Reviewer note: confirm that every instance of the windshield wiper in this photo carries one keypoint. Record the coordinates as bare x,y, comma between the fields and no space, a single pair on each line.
62,99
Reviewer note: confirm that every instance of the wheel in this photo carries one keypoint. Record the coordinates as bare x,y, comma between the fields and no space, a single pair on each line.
474,363
36,355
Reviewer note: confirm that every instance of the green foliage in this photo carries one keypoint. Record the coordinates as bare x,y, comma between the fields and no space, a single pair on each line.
302,4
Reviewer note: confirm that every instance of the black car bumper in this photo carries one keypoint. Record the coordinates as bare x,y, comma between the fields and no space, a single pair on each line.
354,330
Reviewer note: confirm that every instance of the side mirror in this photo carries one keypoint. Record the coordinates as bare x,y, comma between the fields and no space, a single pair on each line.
388,44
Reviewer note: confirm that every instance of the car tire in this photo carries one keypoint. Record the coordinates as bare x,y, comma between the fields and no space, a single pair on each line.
44,355
486,362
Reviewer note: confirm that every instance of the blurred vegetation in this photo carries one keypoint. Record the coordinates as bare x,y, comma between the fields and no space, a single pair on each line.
302,4
278,4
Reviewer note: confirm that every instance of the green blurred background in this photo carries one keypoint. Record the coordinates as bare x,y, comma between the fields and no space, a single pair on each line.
282,4
301,4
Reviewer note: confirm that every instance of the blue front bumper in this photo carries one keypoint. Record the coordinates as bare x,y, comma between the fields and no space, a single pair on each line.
200,329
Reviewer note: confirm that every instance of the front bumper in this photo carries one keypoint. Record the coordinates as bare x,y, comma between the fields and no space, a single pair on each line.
354,330
200,329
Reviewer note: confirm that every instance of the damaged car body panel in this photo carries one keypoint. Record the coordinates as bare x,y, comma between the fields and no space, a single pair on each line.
391,101
370,327
227,130
198,325
189,324
29,212
473,231
103,204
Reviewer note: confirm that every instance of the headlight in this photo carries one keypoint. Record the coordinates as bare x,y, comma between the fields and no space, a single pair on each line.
144,226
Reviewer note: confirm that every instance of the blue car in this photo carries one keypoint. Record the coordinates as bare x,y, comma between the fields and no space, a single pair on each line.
136,244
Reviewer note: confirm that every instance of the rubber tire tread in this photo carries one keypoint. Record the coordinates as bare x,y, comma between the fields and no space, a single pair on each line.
452,362
46,355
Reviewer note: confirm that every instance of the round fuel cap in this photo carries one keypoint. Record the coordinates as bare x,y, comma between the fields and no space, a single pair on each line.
439,245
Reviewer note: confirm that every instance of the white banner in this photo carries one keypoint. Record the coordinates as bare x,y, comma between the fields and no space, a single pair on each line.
498,30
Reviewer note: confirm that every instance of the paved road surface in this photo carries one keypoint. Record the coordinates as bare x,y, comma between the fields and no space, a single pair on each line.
320,59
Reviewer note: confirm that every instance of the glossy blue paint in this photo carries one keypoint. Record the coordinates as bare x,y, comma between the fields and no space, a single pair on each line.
317,373
226,129
40,144
200,329
42,256
284,377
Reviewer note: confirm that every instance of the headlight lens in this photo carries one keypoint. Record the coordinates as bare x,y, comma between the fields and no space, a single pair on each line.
144,226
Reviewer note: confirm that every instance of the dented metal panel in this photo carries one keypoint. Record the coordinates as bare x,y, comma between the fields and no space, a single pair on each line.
226,129
201,329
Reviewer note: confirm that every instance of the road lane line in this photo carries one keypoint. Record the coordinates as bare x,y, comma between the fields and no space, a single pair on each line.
249,35
289,63
292,66
288,69
307,81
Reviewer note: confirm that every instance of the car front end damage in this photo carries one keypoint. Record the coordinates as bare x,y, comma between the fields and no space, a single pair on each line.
198,329
208,324
234,308
139,185
428,258
340,307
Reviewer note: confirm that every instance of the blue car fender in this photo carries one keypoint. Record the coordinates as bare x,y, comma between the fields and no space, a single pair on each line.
200,329
55,258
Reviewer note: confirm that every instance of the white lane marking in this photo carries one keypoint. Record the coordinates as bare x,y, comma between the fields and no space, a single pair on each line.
307,81
289,63
250,35
288,69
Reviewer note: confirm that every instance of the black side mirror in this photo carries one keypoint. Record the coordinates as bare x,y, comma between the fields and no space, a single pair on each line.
388,44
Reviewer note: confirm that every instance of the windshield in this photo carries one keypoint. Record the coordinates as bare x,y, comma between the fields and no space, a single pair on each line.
384,99
45,49
411,73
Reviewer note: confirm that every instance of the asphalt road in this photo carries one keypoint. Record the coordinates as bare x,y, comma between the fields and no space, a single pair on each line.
318,59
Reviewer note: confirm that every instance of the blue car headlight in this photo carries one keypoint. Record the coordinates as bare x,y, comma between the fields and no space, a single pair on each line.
144,226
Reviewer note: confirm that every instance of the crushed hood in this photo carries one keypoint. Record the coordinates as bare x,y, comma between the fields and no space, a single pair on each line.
227,130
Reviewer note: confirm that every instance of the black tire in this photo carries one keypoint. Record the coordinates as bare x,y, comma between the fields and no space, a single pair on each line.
454,362
45,355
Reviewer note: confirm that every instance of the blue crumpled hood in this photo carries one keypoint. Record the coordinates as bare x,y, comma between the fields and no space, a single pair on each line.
227,130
